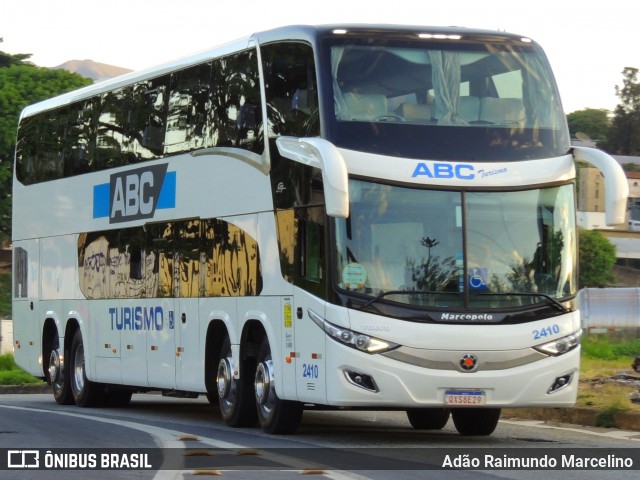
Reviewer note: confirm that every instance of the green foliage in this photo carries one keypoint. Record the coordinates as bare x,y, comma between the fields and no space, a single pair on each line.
17,377
602,348
624,136
606,418
21,85
597,258
593,122
5,294
11,374
7,363
6,59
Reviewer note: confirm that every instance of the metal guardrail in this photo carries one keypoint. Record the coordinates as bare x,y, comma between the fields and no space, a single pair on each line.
609,307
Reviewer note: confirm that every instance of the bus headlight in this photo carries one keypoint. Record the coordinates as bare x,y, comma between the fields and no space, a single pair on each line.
560,345
359,341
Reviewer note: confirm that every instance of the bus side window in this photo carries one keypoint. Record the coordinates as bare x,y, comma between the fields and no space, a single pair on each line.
160,247
148,119
231,261
188,258
236,118
188,103
312,255
291,89
311,250
20,275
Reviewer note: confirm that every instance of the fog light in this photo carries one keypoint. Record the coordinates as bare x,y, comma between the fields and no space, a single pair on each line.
560,382
361,380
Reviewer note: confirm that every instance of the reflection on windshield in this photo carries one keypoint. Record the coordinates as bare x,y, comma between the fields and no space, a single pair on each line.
493,99
468,85
521,242
433,273
411,244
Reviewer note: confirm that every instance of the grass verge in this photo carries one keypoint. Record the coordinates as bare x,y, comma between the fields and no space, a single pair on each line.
602,360
11,374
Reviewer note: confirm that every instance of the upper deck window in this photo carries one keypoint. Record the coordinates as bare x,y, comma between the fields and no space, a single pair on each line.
453,100
212,104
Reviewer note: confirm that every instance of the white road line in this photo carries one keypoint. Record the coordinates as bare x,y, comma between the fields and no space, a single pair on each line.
165,438
619,434
168,438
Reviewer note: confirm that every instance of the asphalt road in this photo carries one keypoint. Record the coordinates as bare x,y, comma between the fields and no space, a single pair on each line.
191,440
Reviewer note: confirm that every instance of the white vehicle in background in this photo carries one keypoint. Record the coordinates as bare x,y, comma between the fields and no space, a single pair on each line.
335,216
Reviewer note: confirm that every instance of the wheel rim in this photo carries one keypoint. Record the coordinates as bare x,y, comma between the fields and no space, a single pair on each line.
265,387
224,378
54,366
78,370
227,385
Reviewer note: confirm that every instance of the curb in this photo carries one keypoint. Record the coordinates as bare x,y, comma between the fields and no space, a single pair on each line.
25,389
577,416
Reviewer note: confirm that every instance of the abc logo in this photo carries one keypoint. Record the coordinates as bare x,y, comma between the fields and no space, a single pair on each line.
134,194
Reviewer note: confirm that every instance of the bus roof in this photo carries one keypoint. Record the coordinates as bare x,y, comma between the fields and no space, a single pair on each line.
294,32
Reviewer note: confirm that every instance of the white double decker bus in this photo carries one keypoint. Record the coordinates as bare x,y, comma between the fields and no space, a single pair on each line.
335,216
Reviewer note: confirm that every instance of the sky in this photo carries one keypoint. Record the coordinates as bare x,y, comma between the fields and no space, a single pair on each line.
588,42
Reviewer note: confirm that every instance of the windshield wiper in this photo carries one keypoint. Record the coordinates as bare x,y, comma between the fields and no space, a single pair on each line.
383,294
552,301
549,299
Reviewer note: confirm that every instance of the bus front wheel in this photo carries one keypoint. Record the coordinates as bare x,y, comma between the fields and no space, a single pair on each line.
276,416
85,392
475,421
428,418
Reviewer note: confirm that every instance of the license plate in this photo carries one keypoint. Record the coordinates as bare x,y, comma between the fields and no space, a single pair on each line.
465,398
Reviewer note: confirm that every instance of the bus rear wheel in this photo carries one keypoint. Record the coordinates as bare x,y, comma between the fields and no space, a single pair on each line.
475,421
85,392
428,418
276,416
235,396
57,375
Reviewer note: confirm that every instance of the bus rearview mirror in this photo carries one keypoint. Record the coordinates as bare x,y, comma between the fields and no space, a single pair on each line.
319,153
616,188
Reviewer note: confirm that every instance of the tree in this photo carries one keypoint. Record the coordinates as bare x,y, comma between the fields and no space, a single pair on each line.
432,275
624,134
597,258
594,122
22,84
7,59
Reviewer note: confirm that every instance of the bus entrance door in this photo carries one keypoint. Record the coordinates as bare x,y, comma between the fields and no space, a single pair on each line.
309,347
26,335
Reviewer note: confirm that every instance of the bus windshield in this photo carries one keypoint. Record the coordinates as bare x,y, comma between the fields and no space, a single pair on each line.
493,101
468,250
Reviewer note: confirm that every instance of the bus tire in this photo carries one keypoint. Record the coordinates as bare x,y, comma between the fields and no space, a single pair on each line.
428,418
475,421
276,416
57,374
235,397
85,392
